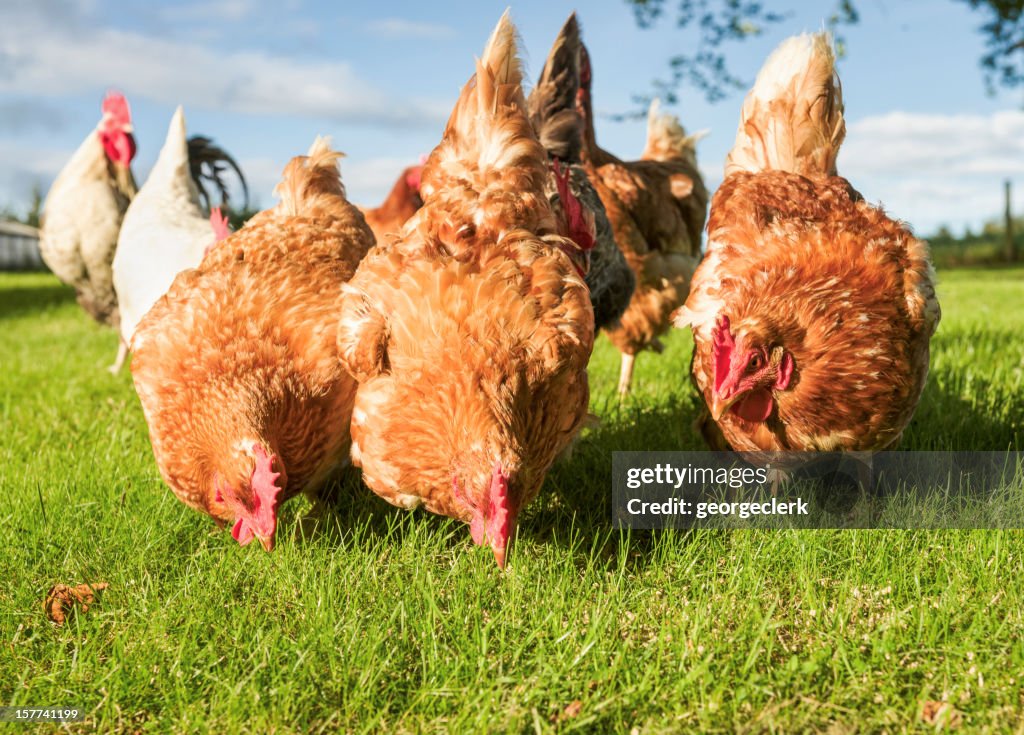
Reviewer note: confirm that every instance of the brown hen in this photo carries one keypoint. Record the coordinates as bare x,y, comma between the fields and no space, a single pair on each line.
813,310
401,203
657,207
470,334
236,365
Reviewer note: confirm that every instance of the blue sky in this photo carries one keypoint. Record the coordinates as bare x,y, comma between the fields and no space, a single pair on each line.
263,78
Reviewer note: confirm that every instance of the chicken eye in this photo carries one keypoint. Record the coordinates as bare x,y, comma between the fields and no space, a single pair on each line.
755,362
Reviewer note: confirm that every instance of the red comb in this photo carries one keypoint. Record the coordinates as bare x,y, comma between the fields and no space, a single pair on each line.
115,106
263,476
499,501
499,525
494,522
219,223
265,491
413,176
722,347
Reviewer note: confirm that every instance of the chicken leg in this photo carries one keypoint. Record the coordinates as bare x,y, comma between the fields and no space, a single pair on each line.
122,355
626,374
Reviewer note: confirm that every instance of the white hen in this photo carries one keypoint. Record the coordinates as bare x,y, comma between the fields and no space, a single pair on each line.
84,208
164,232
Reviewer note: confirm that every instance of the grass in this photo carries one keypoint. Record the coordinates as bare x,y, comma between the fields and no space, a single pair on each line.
396,623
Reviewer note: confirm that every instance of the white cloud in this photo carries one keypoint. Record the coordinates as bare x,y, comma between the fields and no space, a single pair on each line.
39,57
934,169
209,10
402,28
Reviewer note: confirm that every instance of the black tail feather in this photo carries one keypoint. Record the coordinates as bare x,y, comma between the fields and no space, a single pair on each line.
207,164
552,103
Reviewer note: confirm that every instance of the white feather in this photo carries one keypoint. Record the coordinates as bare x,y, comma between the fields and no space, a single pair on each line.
164,232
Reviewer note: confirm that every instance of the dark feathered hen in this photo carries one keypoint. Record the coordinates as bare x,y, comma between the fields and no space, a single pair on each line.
558,124
813,310
656,207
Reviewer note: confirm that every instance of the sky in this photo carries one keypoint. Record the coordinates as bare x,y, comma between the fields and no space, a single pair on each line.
264,78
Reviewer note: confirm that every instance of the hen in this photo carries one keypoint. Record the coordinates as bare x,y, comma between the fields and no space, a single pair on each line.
657,207
84,209
236,366
470,334
812,311
401,203
559,125
165,230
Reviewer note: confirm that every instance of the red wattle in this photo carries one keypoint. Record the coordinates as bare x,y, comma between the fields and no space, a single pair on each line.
119,146
476,529
242,532
755,407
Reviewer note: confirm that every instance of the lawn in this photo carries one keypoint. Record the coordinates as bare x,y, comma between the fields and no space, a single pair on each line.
395,623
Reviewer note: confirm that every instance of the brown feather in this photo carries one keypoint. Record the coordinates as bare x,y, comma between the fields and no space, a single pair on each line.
471,332
792,120
657,207
401,203
802,263
559,126
243,348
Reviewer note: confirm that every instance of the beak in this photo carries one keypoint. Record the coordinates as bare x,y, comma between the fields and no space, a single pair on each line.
501,551
267,541
720,405
499,556
501,546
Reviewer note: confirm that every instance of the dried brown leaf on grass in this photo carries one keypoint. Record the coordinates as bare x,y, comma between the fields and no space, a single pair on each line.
941,715
571,710
62,599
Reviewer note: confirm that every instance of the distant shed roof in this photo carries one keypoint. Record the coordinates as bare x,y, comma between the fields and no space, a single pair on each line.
19,247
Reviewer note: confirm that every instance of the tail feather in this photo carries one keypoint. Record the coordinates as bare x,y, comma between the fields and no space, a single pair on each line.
792,120
173,163
552,103
207,164
308,180
487,129
667,139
